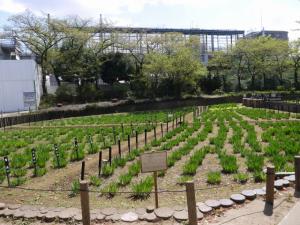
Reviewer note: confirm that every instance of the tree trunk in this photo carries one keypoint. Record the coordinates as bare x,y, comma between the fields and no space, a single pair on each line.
264,81
296,78
44,84
224,83
252,81
239,82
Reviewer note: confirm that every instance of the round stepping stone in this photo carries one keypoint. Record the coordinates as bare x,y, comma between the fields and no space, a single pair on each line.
25,208
164,212
59,209
43,210
50,216
204,208
30,214
40,216
8,212
100,217
14,206
290,178
78,217
140,211
275,190
285,183
249,194
226,202
65,215
18,214
113,218
178,208
150,209
213,203
123,211
129,217
150,217
260,192
278,184
181,215
2,206
238,198
109,211
93,216
199,215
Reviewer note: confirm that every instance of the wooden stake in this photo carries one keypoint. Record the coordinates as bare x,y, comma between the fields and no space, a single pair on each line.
85,202
82,169
100,164
191,202
270,185
109,155
297,174
128,142
155,188
136,139
119,147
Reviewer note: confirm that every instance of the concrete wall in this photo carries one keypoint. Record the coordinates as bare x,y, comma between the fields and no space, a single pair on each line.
18,77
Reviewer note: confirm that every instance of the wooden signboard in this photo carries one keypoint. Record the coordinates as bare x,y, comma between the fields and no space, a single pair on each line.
154,161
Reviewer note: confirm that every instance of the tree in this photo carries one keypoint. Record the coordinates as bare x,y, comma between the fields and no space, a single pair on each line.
39,34
116,67
294,52
221,64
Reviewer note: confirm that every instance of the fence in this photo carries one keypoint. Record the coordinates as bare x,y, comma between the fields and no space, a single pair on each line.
275,105
189,190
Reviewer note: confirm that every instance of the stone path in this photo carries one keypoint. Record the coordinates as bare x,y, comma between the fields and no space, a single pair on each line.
149,214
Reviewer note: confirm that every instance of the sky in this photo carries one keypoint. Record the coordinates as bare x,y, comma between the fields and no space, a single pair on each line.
248,15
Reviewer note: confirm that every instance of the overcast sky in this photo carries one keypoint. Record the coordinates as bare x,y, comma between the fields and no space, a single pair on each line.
206,14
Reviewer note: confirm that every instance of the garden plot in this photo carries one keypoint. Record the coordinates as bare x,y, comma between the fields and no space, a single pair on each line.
223,151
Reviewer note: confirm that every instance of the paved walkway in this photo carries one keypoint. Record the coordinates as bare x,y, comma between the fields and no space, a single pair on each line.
293,217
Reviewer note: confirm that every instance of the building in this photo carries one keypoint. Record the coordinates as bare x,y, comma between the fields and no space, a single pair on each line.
282,35
209,40
20,85
9,48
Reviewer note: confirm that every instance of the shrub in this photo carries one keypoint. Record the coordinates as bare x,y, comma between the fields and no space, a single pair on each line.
142,189
95,181
124,179
214,177
107,170
75,187
65,93
259,176
241,178
119,162
17,181
229,163
110,190
134,169
255,163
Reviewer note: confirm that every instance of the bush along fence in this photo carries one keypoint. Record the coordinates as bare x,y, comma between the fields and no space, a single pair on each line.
192,213
275,105
121,107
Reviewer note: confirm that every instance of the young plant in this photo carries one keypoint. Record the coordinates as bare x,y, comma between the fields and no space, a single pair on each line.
240,178
107,170
125,179
142,189
95,181
110,190
214,177
75,187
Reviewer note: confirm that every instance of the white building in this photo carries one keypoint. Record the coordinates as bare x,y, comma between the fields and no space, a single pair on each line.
20,85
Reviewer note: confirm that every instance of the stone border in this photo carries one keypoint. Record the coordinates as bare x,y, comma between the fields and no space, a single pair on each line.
149,214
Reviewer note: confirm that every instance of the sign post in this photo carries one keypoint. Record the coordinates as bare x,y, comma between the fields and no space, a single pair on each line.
153,162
